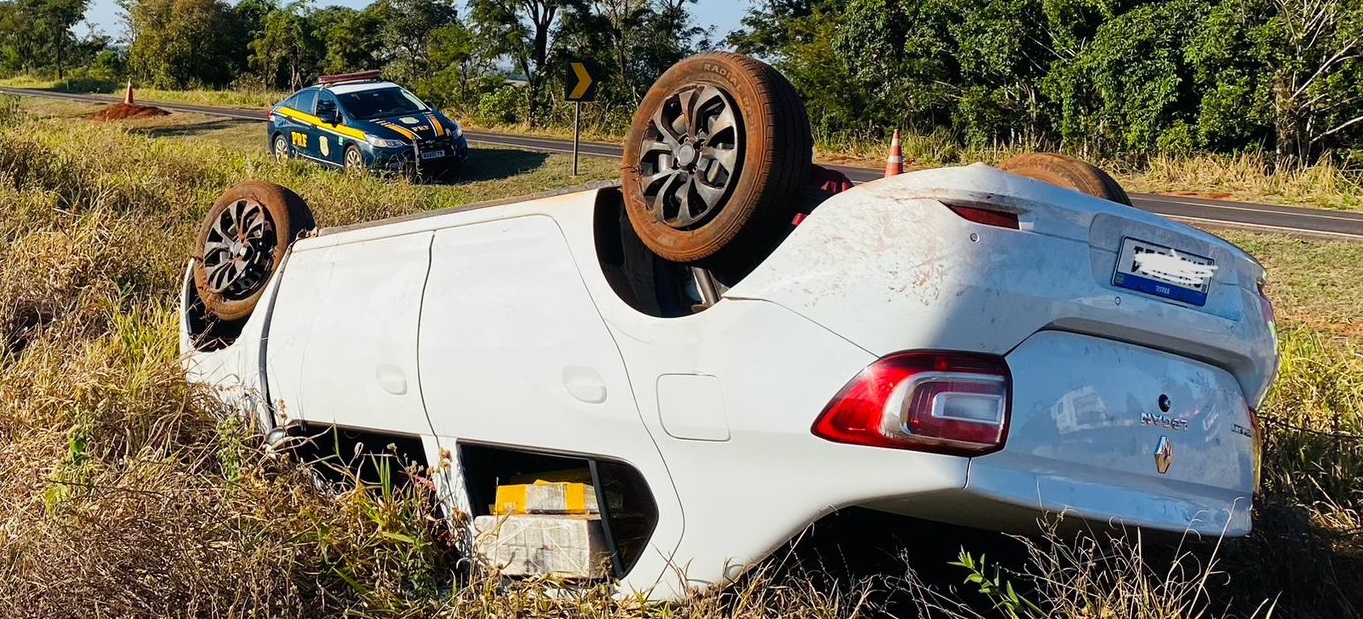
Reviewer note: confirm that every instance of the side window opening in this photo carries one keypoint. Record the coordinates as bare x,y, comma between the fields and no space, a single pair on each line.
207,332
340,455
642,279
627,508
306,102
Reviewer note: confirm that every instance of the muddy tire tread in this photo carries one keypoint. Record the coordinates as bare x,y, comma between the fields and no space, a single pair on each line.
1069,173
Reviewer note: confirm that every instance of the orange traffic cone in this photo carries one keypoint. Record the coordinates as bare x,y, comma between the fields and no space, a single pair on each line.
894,164
128,96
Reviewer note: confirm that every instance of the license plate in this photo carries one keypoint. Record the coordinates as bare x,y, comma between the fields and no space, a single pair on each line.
1163,272
432,154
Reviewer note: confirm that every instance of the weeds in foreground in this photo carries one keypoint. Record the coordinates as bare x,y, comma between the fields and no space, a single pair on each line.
1094,575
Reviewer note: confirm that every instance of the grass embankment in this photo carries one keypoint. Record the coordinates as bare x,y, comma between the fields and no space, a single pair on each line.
128,494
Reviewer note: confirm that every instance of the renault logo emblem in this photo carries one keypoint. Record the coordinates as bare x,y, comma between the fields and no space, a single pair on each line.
1164,455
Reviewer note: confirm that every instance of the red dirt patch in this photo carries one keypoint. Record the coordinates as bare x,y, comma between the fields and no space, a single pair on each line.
124,111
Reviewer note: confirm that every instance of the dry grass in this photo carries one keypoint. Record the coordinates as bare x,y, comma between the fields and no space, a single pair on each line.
128,494
1251,178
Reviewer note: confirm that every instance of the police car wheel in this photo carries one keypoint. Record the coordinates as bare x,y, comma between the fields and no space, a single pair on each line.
1069,173
354,160
718,152
281,149
242,241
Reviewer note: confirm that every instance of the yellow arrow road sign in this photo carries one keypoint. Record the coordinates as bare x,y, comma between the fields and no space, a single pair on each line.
584,81
579,82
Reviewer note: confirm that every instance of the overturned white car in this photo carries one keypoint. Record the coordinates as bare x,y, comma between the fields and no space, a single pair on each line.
966,345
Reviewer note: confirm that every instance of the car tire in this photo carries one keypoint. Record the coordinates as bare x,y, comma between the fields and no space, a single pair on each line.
1068,172
712,185
353,160
281,149
242,242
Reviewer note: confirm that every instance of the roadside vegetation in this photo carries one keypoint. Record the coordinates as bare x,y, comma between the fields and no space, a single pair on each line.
130,493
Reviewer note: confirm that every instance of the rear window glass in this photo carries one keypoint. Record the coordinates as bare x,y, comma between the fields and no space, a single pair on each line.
304,100
381,102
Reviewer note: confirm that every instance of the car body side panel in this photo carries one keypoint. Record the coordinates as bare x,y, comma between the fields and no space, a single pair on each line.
746,495
514,353
303,282
330,144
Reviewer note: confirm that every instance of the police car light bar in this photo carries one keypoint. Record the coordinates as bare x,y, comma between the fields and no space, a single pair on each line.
349,77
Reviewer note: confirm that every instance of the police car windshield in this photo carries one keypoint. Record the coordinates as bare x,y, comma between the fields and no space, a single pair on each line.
378,103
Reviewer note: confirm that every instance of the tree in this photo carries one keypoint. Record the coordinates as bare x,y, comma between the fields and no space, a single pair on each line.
180,43
799,37
352,39
406,28
17,47
522,29
287,46
457,60
55,19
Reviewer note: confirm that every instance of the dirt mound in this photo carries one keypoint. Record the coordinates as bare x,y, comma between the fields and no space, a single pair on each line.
124,111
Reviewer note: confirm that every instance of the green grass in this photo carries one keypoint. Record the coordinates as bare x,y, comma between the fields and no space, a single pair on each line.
1311,282
128,493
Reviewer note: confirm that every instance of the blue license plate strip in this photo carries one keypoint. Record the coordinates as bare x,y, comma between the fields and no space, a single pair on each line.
1128,275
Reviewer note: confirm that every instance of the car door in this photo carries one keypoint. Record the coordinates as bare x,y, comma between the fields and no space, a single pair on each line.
513,353
304,134
342,341
330,146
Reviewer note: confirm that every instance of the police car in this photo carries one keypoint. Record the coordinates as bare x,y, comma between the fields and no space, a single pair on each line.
358,121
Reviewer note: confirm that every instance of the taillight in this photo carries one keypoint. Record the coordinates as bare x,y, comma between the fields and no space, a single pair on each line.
987,217
269,116
953,403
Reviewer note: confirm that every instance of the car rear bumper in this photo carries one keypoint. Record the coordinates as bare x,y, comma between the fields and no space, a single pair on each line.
1071,495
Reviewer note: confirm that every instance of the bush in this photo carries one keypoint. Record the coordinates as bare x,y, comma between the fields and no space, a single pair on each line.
504,104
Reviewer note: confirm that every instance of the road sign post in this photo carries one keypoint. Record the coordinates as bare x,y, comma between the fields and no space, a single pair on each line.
579,85
577,133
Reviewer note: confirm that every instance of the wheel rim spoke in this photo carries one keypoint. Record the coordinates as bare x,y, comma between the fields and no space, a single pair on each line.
657,147
710,194
665,128
666,194
724,158
239,252
723,123
688,112
221,275
689,167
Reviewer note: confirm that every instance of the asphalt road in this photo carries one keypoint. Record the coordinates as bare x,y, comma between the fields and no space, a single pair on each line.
1213,213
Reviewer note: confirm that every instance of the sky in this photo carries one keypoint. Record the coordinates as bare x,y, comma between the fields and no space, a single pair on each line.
104,16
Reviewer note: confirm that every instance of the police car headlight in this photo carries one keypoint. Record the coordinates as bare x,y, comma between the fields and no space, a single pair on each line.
384,143
458,130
